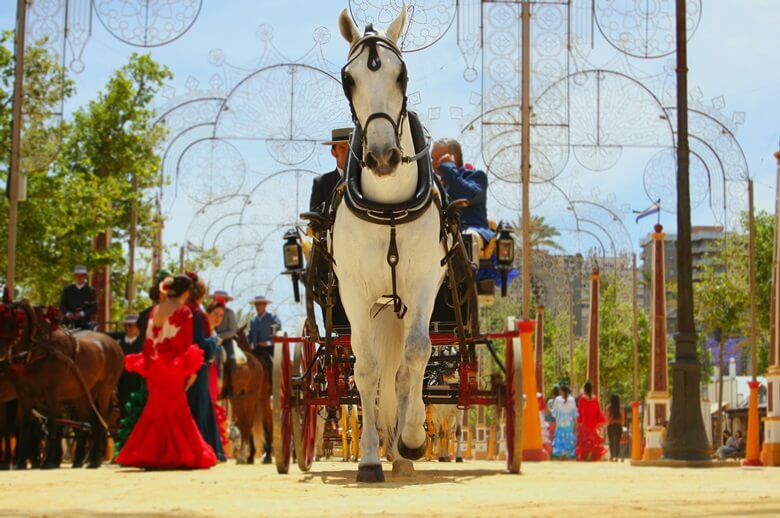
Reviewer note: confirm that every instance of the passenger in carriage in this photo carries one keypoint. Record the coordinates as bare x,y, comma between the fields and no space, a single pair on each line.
463,183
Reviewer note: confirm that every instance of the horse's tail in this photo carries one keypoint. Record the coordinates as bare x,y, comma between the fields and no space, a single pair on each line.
387,338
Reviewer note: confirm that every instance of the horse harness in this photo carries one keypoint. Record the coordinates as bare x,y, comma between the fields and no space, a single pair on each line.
372,41
36,352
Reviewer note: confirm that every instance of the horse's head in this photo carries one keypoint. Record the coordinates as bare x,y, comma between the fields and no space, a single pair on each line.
374,81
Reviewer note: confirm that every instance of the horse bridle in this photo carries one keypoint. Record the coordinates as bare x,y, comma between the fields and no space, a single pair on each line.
373,41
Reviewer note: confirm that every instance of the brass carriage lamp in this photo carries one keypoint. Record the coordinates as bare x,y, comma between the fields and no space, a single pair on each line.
505,253
293,259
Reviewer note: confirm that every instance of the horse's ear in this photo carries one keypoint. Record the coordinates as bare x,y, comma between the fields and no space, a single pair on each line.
394,31
347,28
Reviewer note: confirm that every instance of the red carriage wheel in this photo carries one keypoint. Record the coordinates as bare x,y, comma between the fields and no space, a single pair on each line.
282,406
304,414
514,404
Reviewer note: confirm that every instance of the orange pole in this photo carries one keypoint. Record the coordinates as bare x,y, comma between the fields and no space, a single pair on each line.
752,450
532,426
636,439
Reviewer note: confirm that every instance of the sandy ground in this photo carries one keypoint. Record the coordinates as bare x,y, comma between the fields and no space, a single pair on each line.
473,488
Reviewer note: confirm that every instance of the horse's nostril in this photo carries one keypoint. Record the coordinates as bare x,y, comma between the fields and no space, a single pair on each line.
395,157
371,160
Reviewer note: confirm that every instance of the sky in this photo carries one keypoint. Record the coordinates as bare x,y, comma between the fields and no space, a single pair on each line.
732,59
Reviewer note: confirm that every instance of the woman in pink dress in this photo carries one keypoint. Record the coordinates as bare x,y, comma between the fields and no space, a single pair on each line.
165,436
590,445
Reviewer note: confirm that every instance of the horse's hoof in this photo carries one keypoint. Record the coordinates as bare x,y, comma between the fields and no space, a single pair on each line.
250,460
77,465
50,465
410,453
19,465
444,459
370,474
403,468
458,459
267,459
94,465
5,466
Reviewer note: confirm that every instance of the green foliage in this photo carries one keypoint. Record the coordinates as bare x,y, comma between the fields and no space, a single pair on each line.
616,343
88,188
542,235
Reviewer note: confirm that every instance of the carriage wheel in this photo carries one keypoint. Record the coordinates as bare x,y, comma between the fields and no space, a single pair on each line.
282,406
514,404
304,416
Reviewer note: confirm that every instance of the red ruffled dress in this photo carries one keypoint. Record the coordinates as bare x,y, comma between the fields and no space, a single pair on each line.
165,436
590,445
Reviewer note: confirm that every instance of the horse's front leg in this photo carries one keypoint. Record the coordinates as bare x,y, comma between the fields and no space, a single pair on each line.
410,443
367,382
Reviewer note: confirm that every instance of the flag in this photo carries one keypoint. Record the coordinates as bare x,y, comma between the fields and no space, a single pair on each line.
655,208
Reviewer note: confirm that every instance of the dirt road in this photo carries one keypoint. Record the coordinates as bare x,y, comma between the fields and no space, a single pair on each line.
478,488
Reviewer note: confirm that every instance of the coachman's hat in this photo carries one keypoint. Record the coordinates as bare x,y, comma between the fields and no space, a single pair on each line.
339,136
260,299
80,269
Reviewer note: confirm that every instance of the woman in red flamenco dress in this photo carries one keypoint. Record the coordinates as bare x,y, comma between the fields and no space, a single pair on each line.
165,436
590,445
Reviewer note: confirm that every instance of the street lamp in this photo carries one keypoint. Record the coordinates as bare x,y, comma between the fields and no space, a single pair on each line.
293,260
505,253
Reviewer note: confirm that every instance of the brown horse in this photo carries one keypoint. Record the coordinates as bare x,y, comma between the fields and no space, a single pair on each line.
251,403
49,366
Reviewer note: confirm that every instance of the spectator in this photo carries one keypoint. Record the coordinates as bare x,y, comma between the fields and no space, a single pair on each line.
615,418
78,303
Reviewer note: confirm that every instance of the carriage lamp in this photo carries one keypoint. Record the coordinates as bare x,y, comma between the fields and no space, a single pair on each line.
293,260
505,253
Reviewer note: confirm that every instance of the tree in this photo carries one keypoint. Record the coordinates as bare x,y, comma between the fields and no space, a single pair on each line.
721,303
46,87
616,343
112,146
542,235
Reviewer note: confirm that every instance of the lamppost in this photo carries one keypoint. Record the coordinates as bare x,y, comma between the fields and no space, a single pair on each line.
686,438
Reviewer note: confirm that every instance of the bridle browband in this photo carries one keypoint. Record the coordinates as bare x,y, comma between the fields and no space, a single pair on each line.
372,41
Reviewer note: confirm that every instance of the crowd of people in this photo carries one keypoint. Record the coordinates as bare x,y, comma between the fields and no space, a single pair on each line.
576,424
173,352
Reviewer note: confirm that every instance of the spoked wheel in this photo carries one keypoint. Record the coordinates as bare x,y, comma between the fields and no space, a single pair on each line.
514,404
282,407
304,416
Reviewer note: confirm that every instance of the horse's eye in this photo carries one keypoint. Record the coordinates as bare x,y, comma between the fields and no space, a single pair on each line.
401,78
349,82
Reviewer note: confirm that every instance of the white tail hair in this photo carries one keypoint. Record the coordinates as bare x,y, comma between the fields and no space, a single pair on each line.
387,335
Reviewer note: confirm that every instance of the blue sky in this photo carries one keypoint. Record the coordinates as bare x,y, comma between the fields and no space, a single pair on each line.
733,54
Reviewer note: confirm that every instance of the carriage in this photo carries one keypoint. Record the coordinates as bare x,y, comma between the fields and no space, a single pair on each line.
389,245
313,373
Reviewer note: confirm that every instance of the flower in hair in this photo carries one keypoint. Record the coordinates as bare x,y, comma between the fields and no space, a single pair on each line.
165,284
193,276
219,300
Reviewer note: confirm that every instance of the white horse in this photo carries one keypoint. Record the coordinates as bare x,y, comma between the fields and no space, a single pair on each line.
391,346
